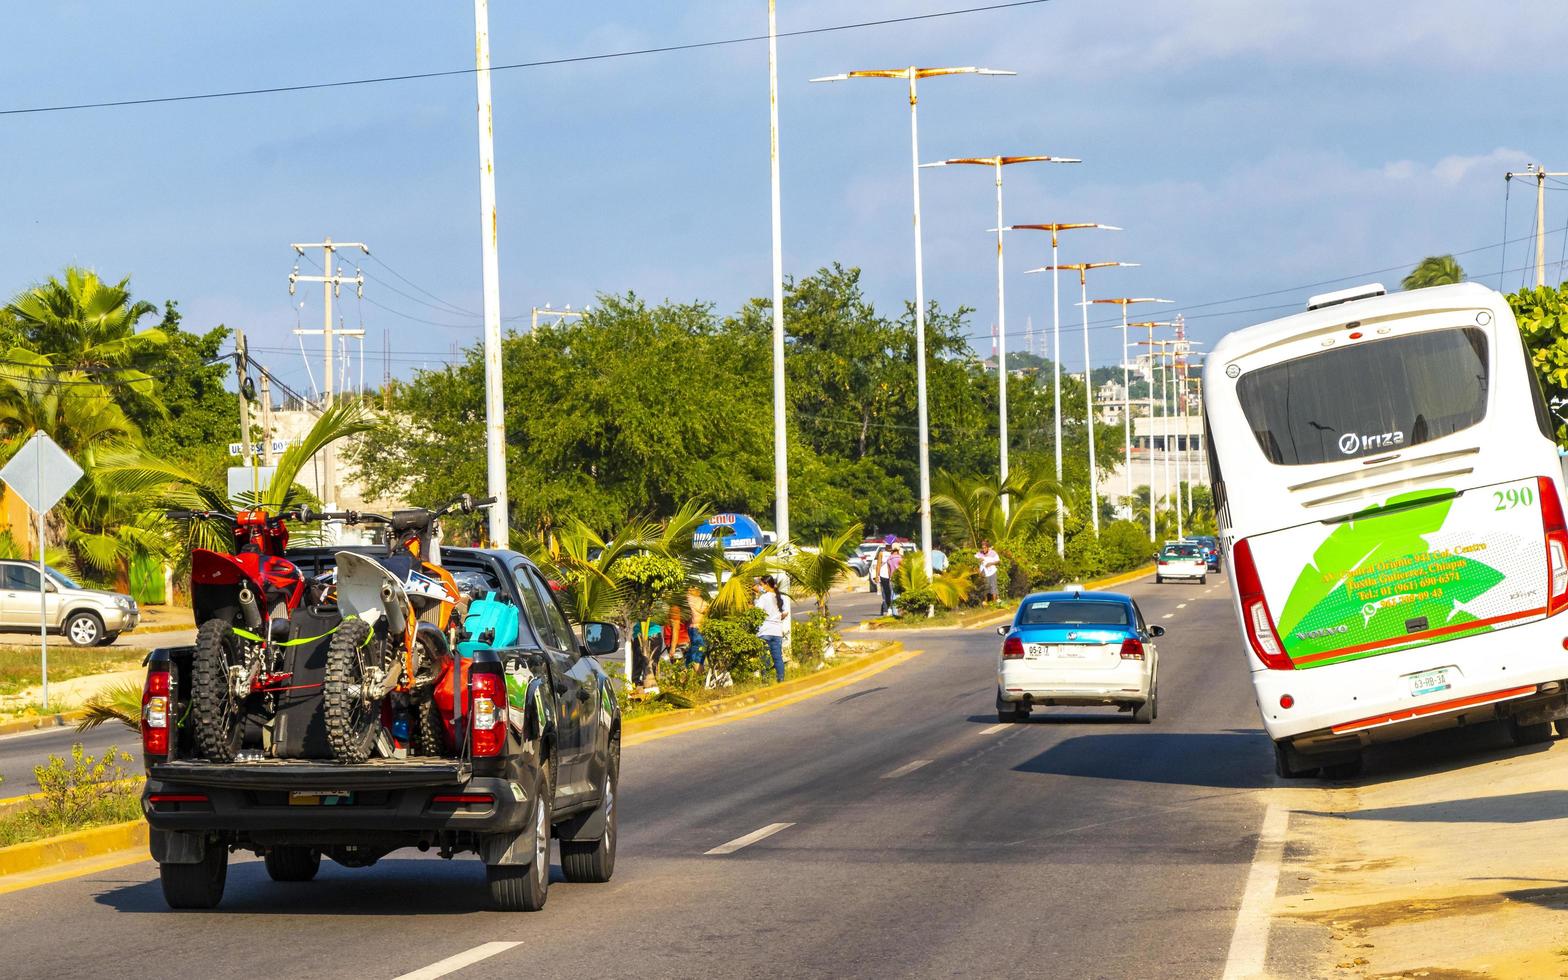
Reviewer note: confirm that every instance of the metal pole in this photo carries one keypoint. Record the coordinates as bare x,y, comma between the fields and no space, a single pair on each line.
1181,418
1001,340
43,597
1088,389
329,456
1056,366
1165,424
266,418
1126,413
1540,226
1153,530
495,415
920,331
241,372
780,436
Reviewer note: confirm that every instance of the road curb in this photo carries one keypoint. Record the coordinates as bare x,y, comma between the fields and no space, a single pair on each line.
75,846
670,719
60,719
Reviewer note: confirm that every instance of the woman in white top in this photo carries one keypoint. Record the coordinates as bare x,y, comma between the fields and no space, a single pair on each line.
775,606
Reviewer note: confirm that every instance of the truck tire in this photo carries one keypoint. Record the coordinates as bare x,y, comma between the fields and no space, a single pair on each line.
292,863
84,629
218,720
524,888
199,885
594,861
352,719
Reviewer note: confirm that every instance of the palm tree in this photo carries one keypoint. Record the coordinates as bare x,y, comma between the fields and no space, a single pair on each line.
816,572
970,508
1434,270
85,324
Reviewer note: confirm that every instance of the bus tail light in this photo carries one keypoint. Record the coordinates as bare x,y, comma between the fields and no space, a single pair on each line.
488,710
1132,649
155,713
1255,617
1012,648
1556,544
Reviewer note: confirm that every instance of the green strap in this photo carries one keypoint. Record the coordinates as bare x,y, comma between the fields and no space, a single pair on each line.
248,635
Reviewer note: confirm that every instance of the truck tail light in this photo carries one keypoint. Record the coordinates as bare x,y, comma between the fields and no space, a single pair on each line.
155,713
1556,530
1132,648
1012,648
488,712
1255,617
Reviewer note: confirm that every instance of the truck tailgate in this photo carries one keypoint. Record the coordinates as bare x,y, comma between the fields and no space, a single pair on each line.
297,774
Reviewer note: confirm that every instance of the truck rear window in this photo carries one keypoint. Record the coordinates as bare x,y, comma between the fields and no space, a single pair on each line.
1369,398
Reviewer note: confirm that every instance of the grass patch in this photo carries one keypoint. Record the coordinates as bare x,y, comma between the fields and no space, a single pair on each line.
19,666
75,794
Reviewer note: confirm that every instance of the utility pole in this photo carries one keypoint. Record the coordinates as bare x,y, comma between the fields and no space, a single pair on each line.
780,436
241,376
560,315
331,285
266,418
1539,172
495,413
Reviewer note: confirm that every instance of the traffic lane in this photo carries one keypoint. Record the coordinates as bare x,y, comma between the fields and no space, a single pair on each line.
21,752
135,639
864,853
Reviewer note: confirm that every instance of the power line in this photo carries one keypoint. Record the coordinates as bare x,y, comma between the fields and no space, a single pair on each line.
455,72
453,307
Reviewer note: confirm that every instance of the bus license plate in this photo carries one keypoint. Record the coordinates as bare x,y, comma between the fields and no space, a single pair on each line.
1429,682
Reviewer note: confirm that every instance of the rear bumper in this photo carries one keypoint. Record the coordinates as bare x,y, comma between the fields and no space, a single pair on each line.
1491,675
1181,572
1124,683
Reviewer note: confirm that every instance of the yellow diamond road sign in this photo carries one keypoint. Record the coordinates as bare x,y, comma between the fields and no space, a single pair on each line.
40,473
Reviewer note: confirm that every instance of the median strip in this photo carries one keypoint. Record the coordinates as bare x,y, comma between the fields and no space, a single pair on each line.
749,839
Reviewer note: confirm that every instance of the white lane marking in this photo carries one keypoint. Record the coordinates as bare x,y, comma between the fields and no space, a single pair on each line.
749,839
454,963
1168,616
906,769
1249,942
997,728
1181,605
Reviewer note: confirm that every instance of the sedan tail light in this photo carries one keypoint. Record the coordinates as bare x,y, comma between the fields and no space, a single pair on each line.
1012,648
1132,649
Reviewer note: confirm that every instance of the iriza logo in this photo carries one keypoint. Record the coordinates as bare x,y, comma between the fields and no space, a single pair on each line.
1353,442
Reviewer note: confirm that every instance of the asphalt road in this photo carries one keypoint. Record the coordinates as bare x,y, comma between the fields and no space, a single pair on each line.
921,839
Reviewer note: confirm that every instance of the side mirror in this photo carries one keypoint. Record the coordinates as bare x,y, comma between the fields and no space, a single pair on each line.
1156,631
601,639
1003,630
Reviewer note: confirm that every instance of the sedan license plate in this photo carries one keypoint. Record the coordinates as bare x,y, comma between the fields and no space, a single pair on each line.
1036,651
1430,682
299,797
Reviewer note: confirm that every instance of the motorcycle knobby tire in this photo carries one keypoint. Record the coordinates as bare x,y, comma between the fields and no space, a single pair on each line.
352,719
218,719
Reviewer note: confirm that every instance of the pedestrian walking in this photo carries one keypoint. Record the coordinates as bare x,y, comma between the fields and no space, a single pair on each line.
775,606
882,577
895,561
989,561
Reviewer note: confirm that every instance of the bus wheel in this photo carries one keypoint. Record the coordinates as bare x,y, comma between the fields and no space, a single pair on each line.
1287,763
1348,769
1530,734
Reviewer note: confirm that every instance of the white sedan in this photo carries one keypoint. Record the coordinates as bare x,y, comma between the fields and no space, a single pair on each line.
1181,561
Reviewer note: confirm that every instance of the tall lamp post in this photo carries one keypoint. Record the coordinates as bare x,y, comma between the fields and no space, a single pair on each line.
912,74
997,163
1151,324
1056,229
1125,302
1082,268
780,447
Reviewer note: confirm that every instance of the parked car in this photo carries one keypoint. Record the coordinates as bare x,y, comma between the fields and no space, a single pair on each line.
1181,561
86,617
1078,648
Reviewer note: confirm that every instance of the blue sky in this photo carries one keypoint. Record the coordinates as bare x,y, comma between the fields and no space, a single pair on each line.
1246,146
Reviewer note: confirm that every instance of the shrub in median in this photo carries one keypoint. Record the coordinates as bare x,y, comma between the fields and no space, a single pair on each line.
74,795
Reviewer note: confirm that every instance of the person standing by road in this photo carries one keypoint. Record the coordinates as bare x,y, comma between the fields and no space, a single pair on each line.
775,606
989,562
880,579
895,561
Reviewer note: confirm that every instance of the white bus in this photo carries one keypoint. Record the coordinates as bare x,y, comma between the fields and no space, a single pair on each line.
1390,491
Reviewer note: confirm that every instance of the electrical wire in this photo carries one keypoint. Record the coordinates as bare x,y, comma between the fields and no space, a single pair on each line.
453,307
456,72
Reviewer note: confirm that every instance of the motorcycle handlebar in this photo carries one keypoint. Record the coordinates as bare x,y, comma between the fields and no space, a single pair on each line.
191,515
350,517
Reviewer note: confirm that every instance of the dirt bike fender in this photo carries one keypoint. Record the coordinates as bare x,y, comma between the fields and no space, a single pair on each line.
217,568
368,591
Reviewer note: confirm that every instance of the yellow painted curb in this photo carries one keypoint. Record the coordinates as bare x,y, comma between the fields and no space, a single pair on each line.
58,720
22,858
766,699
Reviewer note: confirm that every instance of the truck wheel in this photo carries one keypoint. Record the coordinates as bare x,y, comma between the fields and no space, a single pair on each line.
1530,734
199,885
524,888
594,861
218,718
292,863
84,629
352,716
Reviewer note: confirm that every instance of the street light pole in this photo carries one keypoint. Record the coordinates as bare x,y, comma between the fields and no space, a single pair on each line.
997,163
913,74
1082,268
780,438
490,267
1151,324
1056,228
1124,302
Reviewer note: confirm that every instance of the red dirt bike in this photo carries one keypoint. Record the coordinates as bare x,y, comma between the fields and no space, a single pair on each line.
243,603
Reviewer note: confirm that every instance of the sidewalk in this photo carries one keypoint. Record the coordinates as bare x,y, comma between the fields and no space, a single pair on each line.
1451,868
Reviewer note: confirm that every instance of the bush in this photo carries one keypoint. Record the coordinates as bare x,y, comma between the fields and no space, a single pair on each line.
1042,566
84,792
917,600
1126,545
809,640
1085,557
733,643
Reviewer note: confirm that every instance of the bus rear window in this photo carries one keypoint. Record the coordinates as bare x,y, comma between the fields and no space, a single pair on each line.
1369,398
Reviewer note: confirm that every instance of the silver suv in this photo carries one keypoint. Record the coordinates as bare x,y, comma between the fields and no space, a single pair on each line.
86,617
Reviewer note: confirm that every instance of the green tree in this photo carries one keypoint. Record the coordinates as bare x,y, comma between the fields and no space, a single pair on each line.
1543,322
1434,270
815,571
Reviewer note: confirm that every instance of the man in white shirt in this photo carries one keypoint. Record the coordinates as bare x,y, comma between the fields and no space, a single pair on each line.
989,562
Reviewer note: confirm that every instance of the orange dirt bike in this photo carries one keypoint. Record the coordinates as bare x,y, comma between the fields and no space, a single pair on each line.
401,619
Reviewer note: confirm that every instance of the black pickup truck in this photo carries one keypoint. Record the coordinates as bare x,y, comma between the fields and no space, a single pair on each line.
552,775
